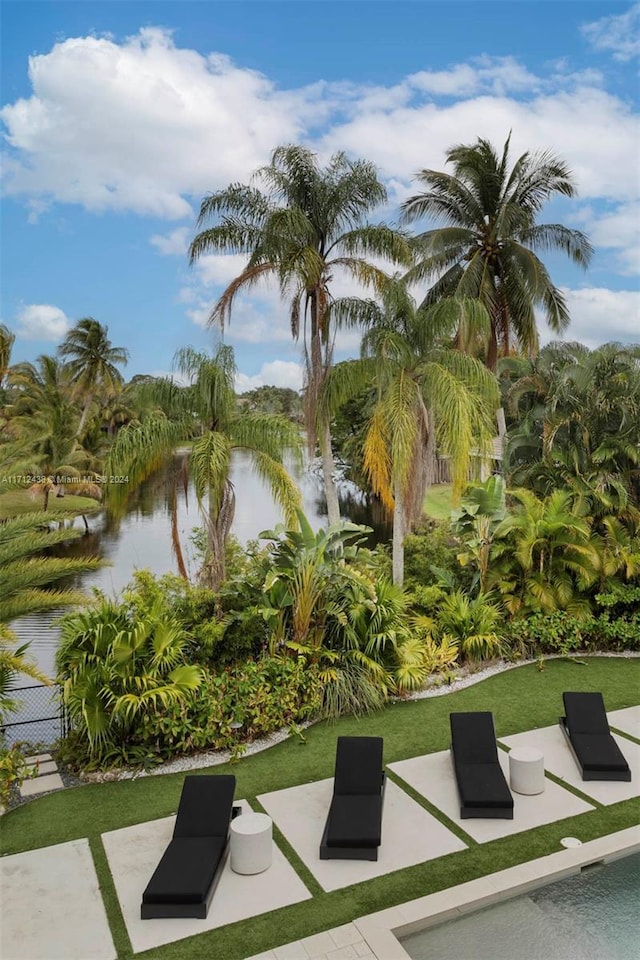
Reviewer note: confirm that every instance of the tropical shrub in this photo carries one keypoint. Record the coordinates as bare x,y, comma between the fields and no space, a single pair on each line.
13,772
560,633
429,550
117,668
473,624
323,599
263,696
544,557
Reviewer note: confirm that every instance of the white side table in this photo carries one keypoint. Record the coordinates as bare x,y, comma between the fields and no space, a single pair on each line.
251,843
526,770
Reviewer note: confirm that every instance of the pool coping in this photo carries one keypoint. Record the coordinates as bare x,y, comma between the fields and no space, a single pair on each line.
382,930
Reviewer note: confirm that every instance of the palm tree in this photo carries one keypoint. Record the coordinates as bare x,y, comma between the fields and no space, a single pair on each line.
488,248
92,362
41,430
579,421
24,573
304,224
208,411
427,394
544,555
7,339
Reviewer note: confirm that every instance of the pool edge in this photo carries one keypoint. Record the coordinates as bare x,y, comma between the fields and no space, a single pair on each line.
381,930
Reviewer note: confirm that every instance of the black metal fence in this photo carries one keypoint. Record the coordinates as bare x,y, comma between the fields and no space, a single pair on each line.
40,717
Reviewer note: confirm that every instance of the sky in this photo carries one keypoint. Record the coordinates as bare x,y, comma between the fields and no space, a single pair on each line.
118,118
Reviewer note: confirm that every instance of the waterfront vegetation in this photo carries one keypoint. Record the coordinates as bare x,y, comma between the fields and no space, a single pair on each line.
308,624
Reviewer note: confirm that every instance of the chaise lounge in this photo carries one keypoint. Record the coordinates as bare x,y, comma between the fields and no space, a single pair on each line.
586,730
482,787
186,878
353,830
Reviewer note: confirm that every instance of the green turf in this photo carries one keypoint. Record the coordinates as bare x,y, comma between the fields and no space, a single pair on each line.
437,502
15,502
520,699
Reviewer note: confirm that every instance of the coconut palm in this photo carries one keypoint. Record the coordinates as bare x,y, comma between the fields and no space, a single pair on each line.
428,395
207,411
41,432
489,244
303,225
92,361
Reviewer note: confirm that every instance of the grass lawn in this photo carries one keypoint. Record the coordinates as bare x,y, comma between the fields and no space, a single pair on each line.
437,501
15,502
521,699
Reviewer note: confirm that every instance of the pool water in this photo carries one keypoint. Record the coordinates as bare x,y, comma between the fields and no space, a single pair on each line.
594,915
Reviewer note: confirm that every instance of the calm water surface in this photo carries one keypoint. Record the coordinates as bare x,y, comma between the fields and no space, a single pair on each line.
142,539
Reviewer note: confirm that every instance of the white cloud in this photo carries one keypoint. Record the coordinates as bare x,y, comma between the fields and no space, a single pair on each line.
619,231
42,321
147,126
173,244
596,133
277,373
599,315
142,124
619,33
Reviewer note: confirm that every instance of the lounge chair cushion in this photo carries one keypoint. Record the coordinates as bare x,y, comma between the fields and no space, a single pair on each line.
598,751
358,766
355,821
205,806
585,713
482,785
186,871
473,738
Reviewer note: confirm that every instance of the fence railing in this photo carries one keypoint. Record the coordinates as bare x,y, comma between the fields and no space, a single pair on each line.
40,716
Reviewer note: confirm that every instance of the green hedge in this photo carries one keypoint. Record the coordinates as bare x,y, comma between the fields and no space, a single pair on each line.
561,633
263,696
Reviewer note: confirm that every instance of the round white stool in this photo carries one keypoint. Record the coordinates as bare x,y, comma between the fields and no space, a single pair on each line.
526,770
251,843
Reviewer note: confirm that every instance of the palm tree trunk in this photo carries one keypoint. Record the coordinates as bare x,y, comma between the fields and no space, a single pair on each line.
397,550
83,417
219,522
328,467
315,377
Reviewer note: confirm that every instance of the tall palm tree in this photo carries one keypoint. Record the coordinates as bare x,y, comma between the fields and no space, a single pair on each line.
92,362
489,244
207,411
303,224
427,394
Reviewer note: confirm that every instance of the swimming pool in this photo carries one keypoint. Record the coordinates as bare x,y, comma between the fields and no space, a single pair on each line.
593,915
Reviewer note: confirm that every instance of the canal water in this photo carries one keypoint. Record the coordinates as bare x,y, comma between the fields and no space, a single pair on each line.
141,540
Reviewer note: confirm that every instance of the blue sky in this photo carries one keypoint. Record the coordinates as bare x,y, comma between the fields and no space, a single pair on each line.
119,117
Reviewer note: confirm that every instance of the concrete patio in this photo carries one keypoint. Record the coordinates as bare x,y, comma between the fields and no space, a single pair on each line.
627,720
133,854
410,834
559,761
433,777
52,907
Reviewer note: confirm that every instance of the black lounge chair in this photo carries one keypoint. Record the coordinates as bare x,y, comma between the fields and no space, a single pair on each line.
586,730
482,788
186,878
353,830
